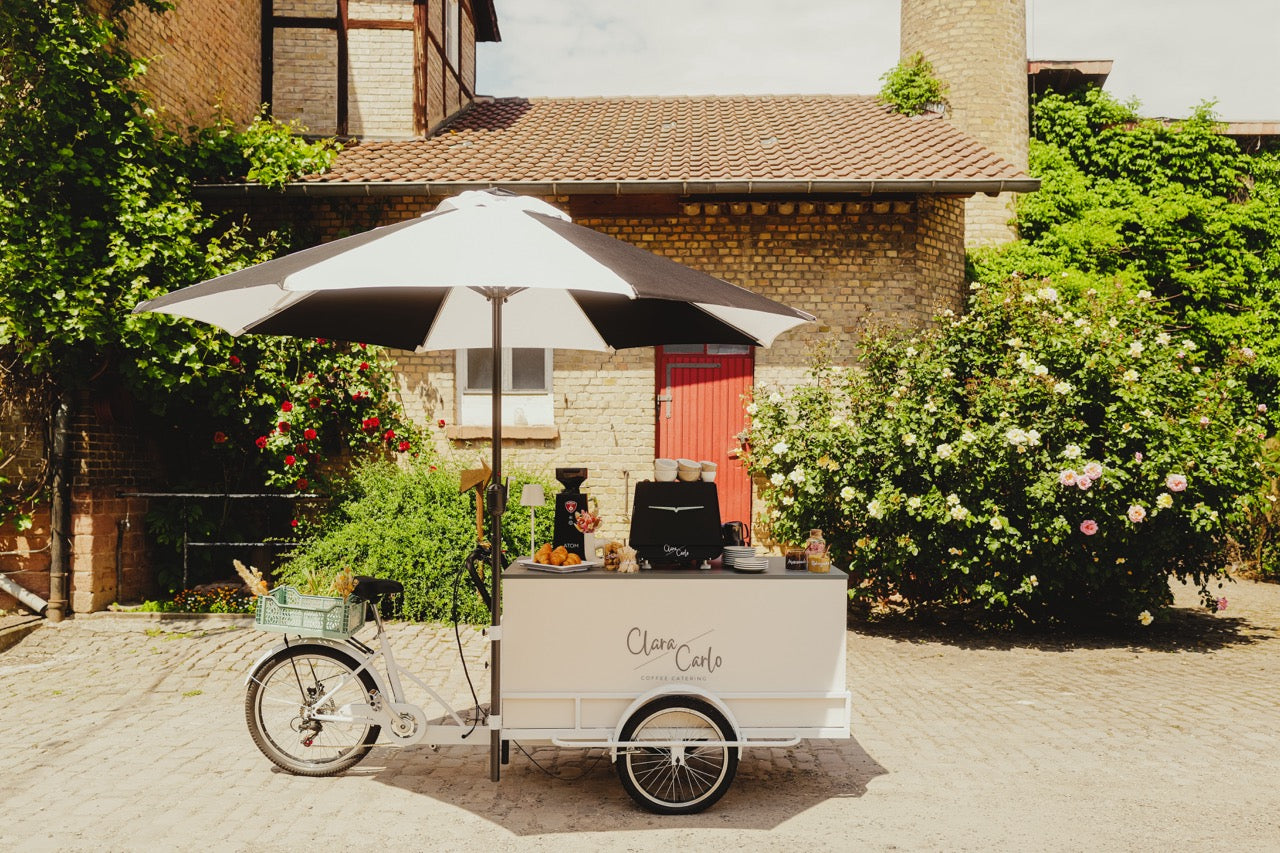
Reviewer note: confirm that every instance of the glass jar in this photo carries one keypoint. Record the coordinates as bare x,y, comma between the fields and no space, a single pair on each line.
795,559
816,558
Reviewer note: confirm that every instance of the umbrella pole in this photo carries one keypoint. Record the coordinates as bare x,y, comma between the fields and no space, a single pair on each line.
497,504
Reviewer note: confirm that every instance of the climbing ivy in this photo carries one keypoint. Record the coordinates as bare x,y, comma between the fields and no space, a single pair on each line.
97,213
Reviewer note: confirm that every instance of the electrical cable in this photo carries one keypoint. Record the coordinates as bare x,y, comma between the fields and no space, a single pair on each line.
475,700
559,776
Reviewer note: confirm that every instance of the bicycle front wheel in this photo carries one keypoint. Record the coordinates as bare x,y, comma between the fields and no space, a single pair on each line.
288,691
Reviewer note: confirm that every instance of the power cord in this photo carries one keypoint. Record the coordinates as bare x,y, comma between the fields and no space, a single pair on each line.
559,776
468,566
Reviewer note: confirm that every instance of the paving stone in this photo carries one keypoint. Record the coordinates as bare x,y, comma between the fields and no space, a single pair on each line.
1160,739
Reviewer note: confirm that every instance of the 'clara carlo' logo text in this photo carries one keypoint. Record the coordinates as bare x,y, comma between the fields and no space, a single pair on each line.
696,657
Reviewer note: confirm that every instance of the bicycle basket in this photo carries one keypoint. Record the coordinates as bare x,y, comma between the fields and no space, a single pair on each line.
288,611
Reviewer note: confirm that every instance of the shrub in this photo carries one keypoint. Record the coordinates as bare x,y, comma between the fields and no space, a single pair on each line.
1044,457
910,87
408,522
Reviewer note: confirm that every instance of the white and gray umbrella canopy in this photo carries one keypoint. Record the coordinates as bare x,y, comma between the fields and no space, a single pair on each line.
487,269
424,285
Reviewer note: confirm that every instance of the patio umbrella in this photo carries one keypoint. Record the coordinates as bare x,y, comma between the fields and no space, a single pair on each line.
487,268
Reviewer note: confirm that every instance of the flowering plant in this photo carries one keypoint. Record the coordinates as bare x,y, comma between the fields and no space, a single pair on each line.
1048,455
587,521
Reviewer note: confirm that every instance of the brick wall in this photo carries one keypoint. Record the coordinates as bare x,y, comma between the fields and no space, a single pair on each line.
888,260
110,456
204,53
979,47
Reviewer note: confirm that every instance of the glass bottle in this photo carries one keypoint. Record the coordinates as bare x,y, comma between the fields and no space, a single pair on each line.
816,558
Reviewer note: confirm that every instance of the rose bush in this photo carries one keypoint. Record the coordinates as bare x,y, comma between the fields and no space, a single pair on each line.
1053,454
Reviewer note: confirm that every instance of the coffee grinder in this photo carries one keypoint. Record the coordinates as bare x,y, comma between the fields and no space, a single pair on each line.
568,503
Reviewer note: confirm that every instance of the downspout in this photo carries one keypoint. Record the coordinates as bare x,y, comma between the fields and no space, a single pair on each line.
60,511
26,597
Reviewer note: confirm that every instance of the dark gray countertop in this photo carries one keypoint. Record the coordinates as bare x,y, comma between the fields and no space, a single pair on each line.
775,571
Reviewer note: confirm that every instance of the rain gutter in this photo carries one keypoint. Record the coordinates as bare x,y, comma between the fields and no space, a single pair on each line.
896,186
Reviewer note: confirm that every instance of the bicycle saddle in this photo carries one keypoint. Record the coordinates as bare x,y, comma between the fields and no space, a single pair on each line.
371,588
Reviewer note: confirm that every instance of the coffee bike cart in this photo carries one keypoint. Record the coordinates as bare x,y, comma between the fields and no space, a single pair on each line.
673,671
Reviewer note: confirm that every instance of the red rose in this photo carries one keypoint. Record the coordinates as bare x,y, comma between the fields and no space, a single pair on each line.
293,523
370,424
311,375
301,447
362,346
286,406
314,402
364,365
309,434
440,423
219,437
261,442
433,467
301,484
388,435
283,426
320,340
235,360
404,445
289,460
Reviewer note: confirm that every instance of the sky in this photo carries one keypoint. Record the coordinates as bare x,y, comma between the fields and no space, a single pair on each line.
1170,54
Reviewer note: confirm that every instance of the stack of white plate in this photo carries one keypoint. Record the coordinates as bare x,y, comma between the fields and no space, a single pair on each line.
750,564
733,553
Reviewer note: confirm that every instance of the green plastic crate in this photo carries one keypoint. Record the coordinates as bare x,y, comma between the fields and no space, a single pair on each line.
288,611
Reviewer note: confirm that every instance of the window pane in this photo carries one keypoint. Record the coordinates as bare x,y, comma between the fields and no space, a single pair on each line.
528,369
728,349
479,370
695,349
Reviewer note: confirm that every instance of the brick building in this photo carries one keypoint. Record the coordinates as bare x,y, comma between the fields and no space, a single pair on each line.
832,204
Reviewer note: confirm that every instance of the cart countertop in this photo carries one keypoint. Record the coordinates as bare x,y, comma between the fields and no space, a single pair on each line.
775,571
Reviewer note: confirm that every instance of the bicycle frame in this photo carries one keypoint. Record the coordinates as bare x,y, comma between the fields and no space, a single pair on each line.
404,721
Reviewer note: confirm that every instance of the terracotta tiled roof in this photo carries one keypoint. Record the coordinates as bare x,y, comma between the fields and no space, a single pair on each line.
832,141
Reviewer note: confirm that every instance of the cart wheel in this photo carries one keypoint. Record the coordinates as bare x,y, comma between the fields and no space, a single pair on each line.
682,779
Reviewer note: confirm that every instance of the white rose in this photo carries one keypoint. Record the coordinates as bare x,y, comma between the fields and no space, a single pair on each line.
780,448
943,451
777,478
847,493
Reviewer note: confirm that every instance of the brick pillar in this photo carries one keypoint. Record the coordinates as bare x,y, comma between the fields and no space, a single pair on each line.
979,48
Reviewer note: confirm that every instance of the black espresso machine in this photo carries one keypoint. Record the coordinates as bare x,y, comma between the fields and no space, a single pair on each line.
569,503
676,525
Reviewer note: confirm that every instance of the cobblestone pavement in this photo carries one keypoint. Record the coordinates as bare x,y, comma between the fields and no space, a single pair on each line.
129,734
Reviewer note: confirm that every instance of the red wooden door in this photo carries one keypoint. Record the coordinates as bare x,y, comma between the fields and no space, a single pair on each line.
700,412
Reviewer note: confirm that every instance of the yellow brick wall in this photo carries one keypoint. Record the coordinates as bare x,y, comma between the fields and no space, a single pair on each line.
979,47
897,261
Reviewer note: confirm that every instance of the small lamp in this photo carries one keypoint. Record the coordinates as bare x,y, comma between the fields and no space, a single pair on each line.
532,496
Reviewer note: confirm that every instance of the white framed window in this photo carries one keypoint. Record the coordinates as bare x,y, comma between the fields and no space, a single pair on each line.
452,32
527,398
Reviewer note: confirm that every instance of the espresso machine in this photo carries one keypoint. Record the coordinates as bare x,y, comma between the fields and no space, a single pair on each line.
568,503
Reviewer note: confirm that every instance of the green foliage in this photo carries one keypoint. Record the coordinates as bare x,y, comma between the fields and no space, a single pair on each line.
910,87
1054,454
1173,208
409,523
97,214
269,152
223,599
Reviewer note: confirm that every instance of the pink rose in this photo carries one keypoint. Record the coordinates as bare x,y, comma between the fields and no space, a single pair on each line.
1067,477
1088,527
1083,483
1136,513
1175,482
1093,471
1222,604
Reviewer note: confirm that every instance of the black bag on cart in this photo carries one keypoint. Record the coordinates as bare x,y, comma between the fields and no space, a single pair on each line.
675,525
